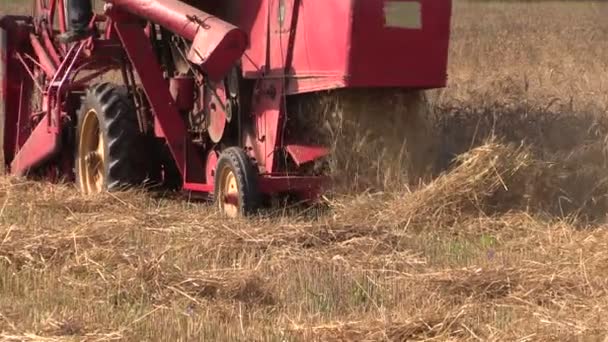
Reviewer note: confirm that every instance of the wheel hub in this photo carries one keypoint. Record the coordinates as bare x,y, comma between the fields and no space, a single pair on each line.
236,189
230,194
210,167
91,163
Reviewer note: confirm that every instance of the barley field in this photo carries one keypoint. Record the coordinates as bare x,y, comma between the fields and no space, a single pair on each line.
508,242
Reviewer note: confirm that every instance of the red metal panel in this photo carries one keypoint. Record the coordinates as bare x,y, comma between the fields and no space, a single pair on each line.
9,111
348,43
320,52
17,38
139,50
321,45
264,139
302,154
198,187
400,43
252,17
41,144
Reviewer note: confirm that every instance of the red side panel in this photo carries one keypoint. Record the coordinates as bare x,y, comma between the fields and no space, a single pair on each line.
39,145
321,46
252,17
400,43
14,86
302,154
319,49
345,43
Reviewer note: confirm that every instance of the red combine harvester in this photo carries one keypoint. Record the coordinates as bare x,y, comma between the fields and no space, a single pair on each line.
198,91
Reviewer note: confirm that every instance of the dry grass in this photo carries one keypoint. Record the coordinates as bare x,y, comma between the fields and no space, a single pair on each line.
379,139
510,243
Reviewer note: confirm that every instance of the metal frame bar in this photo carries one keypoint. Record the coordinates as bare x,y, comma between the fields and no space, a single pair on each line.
139,50
29,71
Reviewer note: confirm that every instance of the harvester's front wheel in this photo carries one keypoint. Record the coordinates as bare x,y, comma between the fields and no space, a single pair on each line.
108,142
236,184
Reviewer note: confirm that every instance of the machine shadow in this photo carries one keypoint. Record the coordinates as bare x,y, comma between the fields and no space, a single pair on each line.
547,133
568,150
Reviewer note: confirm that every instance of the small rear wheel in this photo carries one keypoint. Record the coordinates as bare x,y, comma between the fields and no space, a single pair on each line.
236,184
108,142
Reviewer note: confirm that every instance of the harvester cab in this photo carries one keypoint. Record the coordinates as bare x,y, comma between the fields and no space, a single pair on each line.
196,95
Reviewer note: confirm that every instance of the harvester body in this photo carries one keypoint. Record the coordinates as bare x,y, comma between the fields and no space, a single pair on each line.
322,45
205,85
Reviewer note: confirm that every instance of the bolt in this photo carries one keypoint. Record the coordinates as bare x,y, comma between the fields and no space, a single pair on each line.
271,92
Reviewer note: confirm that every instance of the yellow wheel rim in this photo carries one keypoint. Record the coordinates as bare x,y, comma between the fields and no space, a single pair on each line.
229,196
91,155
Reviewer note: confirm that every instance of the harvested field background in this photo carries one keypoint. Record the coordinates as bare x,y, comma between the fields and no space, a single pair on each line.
509,243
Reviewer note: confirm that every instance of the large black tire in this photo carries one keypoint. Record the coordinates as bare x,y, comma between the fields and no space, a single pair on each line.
123,164
234,161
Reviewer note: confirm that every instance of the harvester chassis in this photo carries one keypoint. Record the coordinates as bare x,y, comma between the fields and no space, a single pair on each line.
195,102
126,46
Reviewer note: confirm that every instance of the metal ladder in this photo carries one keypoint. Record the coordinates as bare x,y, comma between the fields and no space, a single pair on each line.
56,85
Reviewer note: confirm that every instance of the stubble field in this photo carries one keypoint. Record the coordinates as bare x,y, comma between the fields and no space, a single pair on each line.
510,242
